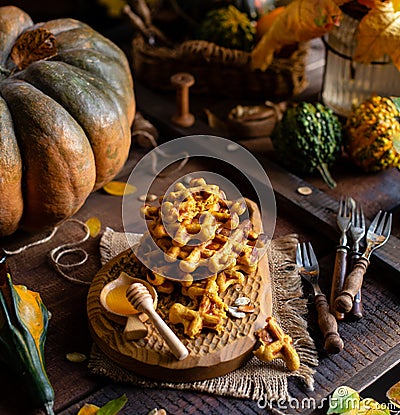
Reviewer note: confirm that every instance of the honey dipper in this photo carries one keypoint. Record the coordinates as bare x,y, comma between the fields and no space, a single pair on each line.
139,296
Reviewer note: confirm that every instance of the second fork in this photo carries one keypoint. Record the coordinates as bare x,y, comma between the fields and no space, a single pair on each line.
339,271
357,232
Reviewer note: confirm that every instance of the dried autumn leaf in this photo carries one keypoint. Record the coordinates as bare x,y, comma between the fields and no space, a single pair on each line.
88,409
379,34
119,188
302,20
32,46
112,407
114,7
393,394
369,406
94,226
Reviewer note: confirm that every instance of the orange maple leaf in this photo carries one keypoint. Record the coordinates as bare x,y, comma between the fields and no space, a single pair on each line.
302,20
378,34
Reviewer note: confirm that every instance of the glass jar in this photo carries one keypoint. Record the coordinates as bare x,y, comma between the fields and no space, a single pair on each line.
347,83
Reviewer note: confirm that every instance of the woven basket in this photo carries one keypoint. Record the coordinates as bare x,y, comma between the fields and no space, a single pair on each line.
220,71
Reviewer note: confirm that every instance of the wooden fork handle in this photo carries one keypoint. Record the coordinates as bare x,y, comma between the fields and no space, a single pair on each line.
356,311
328,325
339,273
352,284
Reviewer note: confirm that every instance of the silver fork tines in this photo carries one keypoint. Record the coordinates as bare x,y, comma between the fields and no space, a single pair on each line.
357,228
378,232
343,218
357,232
307,262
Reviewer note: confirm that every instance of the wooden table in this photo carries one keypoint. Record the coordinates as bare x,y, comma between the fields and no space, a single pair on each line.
372,344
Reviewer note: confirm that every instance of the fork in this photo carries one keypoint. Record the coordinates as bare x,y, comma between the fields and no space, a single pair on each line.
378,233
339,270
357,232
309,269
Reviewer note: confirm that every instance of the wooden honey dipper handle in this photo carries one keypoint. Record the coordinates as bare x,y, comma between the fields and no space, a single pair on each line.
139,296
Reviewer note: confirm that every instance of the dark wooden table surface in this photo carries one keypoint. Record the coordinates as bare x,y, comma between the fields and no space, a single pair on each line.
372,344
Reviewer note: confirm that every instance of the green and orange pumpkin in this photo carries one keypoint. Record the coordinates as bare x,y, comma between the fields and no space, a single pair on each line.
66,108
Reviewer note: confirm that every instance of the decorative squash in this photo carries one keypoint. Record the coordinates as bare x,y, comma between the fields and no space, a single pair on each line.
228,27
23,329
372,134
66,107
308,138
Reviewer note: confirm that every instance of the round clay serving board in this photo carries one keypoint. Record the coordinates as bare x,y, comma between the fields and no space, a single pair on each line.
210,354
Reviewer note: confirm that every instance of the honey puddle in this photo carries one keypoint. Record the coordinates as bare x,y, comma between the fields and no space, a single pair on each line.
118,303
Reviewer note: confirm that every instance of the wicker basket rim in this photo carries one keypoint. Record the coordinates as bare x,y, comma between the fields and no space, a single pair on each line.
211,53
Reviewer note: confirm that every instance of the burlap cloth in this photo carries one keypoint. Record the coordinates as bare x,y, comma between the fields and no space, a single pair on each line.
256,380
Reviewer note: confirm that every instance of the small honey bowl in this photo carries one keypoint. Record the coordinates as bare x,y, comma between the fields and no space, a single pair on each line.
119,309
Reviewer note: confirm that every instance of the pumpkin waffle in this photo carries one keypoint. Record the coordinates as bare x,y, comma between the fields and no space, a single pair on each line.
275,344
197,244
200,232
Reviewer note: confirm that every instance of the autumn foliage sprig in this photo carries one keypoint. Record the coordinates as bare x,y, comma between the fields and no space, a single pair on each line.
378,32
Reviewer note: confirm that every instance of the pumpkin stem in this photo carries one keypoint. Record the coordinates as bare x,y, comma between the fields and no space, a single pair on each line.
48,407
323,169
33,45
4,73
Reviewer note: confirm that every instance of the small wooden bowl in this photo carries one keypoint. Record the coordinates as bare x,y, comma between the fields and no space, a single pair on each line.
133,320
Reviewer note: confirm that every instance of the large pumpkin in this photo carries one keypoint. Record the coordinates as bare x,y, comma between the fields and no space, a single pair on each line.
66,107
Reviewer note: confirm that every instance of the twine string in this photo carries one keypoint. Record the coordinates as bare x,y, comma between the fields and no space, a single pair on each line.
70,248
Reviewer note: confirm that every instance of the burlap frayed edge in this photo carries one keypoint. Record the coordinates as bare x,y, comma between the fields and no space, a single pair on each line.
256,380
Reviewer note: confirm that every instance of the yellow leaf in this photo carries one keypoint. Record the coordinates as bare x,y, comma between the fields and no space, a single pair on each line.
379,34
88,409
94,226
119,188
300,21
393,394
114,7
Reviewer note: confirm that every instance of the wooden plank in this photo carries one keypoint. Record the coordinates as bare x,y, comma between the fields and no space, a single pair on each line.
362,380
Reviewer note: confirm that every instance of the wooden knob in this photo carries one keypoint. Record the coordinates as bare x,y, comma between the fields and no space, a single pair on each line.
139,296
344,302
352,285
182,82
